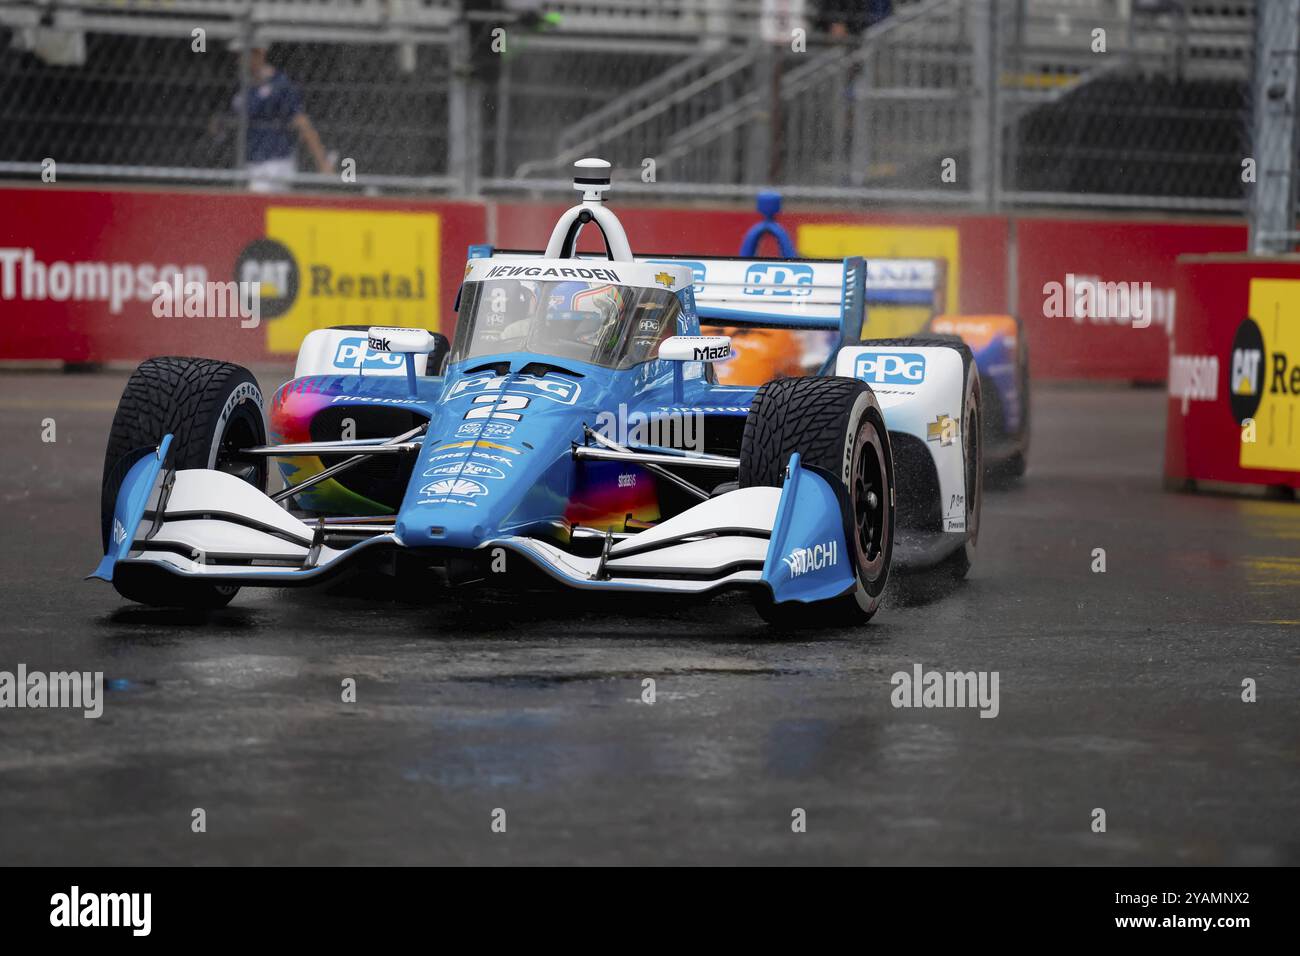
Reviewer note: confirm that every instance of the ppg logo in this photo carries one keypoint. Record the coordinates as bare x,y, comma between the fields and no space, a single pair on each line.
778,278
556,389
697,270
891,368
354,353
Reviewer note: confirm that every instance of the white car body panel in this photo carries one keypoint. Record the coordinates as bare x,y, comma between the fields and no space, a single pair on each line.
347,352
917,407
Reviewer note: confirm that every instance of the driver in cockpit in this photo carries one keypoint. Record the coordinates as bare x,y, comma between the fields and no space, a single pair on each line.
575,319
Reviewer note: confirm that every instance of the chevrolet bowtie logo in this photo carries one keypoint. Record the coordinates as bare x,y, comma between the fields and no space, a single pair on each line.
664,279
943,430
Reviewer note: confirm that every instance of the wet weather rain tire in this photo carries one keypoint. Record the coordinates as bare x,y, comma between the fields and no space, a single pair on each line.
958,563
1019,462
835,424
212,409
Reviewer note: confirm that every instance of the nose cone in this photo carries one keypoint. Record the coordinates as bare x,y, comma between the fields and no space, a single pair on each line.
454,532
462,491
446,511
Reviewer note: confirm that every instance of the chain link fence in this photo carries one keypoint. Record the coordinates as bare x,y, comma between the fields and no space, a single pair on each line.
983,103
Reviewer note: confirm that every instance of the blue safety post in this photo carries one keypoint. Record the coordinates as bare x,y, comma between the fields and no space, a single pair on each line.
769,204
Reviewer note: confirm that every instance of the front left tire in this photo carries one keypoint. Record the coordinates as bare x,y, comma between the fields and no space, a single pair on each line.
213,410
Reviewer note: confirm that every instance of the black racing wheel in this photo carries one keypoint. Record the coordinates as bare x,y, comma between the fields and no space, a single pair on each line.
835,424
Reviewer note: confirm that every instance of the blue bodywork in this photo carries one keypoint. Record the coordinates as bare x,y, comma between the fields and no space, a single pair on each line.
522,429
496,462
808,559
132,500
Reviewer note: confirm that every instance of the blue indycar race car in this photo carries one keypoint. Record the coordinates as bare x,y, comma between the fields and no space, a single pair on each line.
573,430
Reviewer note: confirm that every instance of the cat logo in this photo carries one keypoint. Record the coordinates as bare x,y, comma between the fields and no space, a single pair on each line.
664,279
1246,371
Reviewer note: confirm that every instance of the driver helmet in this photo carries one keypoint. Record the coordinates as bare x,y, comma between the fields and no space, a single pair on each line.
578,301
586,314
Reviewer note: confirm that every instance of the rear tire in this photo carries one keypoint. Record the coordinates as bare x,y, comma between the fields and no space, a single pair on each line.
958,564
1019,462
835,424
212,409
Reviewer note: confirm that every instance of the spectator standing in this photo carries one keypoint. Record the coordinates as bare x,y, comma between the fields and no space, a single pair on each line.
277,121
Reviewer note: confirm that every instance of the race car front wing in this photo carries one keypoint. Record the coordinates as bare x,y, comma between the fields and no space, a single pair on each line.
210,525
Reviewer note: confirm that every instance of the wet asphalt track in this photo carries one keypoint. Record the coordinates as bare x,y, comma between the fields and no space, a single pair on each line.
1118,690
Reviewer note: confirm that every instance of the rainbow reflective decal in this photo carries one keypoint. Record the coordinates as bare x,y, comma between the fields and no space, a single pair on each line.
607,493
294,406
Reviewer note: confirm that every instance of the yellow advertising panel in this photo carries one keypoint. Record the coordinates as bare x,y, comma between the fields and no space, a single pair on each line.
323,267
835,241
1273,374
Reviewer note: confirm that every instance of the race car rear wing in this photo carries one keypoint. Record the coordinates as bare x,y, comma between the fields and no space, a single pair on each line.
818,294
807,294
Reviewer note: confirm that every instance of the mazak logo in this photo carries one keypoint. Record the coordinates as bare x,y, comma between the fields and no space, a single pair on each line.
779,279
354,353
454,488
698,270
891,368
805,560
467,469
713,353
557,389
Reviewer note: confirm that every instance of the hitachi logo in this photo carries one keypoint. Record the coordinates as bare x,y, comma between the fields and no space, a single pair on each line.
804,560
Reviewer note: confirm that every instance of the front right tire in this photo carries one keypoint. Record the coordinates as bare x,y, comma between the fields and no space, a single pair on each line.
835,424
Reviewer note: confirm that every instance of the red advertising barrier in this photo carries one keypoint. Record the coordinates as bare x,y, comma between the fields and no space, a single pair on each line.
1234,375
78,267
1074,275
